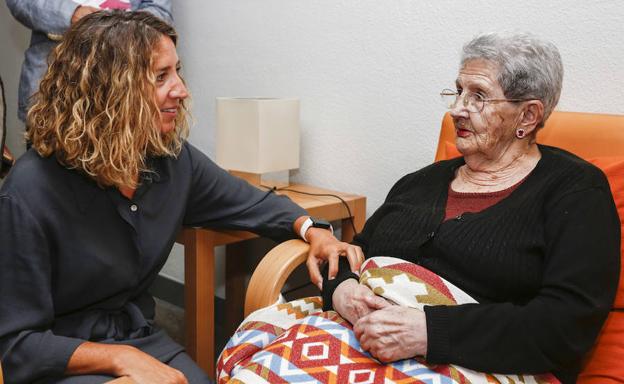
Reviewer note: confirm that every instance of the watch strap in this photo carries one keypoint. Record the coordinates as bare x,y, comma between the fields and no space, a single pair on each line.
309,222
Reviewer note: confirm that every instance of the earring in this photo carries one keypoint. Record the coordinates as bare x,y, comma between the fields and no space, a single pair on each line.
520,133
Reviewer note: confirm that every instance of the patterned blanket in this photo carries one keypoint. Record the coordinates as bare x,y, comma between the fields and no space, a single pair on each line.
296,342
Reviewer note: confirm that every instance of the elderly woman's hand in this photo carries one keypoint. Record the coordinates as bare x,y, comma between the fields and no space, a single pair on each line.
325,247
393,333
353,300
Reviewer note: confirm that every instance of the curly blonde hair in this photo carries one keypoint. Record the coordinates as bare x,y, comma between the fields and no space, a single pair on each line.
96,109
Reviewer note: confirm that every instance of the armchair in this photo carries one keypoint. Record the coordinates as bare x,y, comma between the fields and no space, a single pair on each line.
595,137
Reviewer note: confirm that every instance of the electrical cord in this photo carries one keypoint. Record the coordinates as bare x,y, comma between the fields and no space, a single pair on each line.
275,189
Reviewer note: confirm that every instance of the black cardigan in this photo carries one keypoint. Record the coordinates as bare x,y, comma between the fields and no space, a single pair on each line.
543,264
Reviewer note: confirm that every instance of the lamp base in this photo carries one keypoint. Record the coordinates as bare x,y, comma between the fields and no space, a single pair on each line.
275,180
251,178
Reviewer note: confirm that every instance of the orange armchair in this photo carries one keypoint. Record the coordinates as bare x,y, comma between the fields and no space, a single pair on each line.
589,136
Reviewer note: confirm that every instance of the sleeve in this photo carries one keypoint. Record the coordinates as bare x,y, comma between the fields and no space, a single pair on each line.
160,8
28,349
47,16
220,200
558,325
361,240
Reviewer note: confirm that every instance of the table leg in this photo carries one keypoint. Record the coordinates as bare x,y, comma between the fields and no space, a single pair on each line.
199,267
236,269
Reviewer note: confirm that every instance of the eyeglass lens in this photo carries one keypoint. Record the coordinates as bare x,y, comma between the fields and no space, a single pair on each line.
471,101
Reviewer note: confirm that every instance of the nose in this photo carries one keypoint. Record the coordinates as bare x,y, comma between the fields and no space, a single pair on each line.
178,91
460,108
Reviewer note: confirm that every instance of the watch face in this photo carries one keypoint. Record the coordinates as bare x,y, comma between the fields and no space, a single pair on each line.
320,223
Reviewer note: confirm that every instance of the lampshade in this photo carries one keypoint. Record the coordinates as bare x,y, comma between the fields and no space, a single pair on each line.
257,135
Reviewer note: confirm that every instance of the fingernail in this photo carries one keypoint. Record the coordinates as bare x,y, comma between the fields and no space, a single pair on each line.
331,277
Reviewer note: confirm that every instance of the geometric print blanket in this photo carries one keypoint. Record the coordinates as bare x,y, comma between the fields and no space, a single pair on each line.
296,342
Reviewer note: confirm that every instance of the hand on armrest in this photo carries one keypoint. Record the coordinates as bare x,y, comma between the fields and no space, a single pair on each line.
324,247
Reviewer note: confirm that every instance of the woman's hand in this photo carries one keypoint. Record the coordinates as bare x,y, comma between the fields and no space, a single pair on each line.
325,247
121,360
82,11
144,369
393,333
353,300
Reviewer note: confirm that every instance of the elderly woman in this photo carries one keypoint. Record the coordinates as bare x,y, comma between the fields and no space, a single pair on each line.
529,231
90,213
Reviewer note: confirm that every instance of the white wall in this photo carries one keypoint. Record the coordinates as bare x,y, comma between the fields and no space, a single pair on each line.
368,72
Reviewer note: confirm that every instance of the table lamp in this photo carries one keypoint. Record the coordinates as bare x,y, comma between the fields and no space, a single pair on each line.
257,137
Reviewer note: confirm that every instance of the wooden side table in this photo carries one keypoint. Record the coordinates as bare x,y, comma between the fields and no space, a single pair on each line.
199,264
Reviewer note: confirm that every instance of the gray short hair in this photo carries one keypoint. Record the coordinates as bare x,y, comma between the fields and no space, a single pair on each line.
528,66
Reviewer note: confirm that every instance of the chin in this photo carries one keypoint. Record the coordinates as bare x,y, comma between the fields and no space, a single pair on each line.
463,146
166,128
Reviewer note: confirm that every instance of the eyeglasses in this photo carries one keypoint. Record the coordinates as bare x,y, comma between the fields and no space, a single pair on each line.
473,102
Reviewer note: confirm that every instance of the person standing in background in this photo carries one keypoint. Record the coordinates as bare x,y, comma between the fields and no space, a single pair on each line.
49,19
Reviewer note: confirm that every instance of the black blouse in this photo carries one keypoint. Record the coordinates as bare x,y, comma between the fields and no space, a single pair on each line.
76,260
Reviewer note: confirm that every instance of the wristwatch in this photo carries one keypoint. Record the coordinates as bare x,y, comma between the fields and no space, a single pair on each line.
316,223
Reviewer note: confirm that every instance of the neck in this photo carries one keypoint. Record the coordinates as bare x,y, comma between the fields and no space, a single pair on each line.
499,173
128,192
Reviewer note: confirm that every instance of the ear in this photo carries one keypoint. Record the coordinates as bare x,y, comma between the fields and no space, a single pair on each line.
532,115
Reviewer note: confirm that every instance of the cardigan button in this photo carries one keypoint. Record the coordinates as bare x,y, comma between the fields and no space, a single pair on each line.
134,208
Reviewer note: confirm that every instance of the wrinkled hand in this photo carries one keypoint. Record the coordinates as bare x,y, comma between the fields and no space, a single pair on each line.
144,369
82,11
353,300
393,333
325,247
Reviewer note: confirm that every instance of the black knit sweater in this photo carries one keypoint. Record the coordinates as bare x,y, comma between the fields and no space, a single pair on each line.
543,264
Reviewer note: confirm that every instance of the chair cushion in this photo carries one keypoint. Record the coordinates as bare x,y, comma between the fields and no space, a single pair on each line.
604,363
613,167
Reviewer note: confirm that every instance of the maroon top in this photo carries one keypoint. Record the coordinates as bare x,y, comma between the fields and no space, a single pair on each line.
461,202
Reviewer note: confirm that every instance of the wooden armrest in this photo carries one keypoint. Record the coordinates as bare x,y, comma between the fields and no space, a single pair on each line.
269,277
